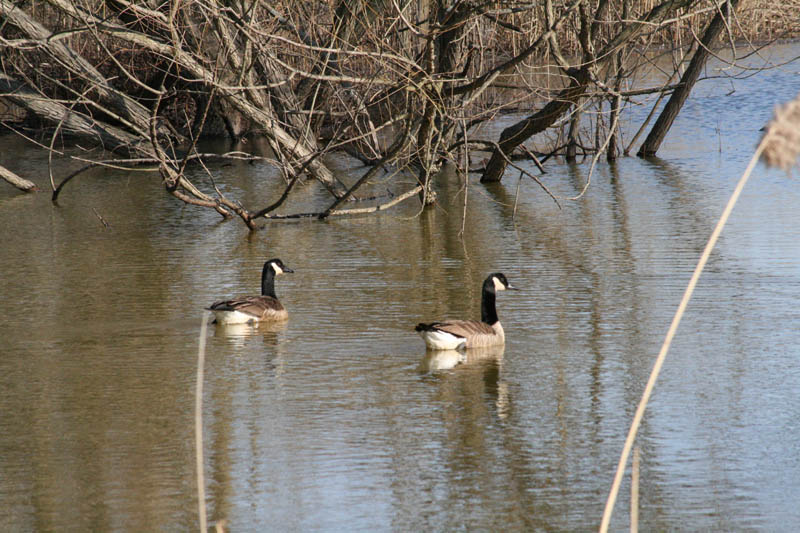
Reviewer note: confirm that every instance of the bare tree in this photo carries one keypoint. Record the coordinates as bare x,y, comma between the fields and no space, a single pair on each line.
401,85
688,80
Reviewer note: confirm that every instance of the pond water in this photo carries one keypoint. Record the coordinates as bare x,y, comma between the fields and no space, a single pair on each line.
339,421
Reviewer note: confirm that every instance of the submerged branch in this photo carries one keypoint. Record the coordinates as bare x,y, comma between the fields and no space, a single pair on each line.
131,164
399,144
72,123
354,211
16,181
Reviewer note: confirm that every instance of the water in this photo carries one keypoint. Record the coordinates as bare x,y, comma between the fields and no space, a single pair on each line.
338,421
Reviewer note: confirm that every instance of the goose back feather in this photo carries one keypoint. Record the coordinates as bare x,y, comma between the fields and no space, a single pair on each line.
455,334
249,308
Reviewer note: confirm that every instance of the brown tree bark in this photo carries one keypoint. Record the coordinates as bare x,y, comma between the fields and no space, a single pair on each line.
572,135
664,122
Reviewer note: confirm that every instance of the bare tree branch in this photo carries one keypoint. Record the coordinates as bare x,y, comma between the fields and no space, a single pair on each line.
16,181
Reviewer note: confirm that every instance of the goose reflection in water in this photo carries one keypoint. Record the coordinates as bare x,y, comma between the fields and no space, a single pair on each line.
237,334
447,359
477,369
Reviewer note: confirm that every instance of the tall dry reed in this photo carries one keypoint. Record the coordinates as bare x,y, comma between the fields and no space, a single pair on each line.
198,424
780,147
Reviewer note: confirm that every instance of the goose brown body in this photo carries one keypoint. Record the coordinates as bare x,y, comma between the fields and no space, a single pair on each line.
474,334
460,334
251,309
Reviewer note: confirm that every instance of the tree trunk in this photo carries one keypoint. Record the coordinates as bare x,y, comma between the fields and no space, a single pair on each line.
192,63
615,102
689,78
572,135
126,108
71,122
515,135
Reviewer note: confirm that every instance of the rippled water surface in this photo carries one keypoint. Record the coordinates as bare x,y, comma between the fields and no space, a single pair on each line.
339,421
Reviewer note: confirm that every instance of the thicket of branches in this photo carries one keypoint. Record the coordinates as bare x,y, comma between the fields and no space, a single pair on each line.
401,85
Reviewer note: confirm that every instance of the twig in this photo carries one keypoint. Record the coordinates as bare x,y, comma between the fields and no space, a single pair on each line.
399,144
129,164
516,197
357,211
280,200
534,178
295,178
466,178
104,221
596,157
533,158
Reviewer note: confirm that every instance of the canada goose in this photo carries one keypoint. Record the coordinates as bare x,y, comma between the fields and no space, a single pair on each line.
250,309
459,334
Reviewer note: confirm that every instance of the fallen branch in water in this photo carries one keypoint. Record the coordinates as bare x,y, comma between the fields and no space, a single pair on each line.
350,212
144,161
522,171
16,181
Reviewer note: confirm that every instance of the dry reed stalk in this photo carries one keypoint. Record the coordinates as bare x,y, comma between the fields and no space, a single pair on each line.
783,142
198,424
635,491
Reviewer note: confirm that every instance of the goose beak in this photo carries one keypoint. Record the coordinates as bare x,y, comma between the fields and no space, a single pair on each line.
287,269
510,287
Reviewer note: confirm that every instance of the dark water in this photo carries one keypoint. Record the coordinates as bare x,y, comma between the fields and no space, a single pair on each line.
338,421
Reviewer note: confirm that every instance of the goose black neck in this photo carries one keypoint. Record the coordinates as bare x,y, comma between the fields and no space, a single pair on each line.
488,309
268,281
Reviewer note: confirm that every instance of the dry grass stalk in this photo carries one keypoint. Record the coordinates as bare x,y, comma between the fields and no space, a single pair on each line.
635,492
782,138
784,133
198,424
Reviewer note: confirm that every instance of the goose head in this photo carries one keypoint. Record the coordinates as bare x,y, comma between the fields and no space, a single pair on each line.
500,282
278,267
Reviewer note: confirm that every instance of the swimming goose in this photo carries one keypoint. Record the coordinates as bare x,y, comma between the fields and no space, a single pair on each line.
459,334
251,309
